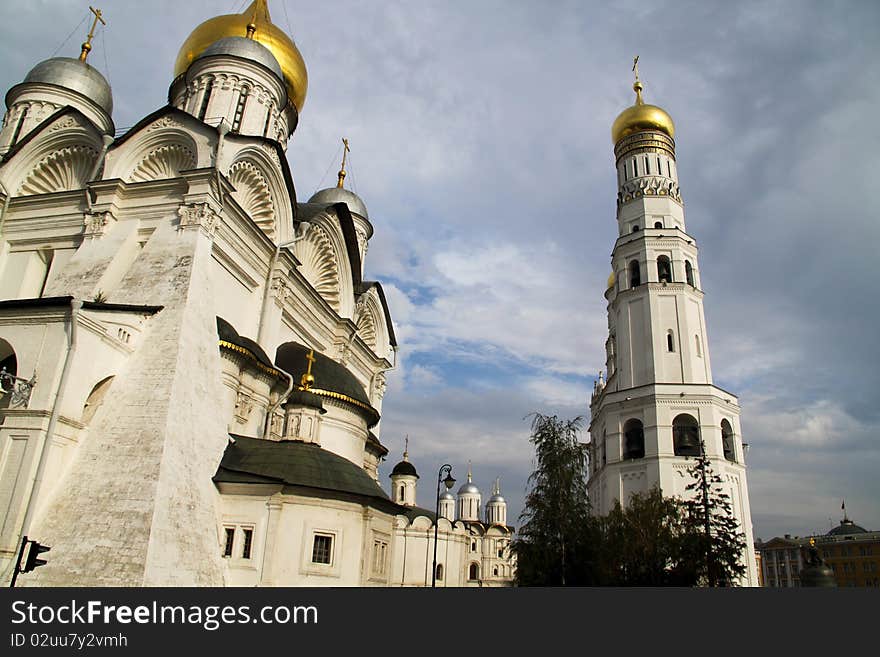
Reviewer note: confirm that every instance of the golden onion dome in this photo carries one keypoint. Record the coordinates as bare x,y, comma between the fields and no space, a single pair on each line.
641,117
293,67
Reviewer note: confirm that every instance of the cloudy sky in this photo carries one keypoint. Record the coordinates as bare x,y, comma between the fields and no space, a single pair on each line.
480,134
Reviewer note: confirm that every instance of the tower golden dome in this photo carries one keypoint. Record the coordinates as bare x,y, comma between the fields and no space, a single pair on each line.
641,116
256,16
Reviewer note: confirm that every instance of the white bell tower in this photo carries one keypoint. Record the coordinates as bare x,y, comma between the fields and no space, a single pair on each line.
659,399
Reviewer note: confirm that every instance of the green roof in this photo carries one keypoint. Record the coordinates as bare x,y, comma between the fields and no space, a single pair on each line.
295,463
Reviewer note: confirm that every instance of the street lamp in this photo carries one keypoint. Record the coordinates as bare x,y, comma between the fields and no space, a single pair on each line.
449,482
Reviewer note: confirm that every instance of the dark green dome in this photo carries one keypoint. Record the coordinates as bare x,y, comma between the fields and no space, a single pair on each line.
332,379
847,527
404,468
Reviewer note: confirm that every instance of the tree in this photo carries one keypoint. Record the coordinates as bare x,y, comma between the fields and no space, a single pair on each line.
714,544
641,545
556,539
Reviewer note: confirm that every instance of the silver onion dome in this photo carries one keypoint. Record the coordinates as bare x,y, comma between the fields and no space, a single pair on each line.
446,495
246,49
497,499
75,75
469,489
341,195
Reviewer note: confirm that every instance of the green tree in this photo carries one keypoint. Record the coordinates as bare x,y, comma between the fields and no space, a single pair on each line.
641,545
714,542
556,542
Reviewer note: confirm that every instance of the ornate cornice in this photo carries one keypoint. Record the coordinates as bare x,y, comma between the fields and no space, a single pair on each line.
200,216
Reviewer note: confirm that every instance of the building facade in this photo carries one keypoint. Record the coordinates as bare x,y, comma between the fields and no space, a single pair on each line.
658,404
852,552
192,362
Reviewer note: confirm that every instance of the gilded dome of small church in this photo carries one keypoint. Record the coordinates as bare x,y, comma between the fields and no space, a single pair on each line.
641,116
293,67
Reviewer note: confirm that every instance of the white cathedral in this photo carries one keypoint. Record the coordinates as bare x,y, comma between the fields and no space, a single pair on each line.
659,403
192,363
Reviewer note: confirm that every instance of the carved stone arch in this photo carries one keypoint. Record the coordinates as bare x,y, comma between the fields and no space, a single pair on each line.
366,324
371,322
253,194
59,156
320,265
165,161
267,164
64,170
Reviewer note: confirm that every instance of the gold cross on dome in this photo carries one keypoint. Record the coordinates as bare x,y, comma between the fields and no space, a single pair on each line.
345,151
87,46
308,379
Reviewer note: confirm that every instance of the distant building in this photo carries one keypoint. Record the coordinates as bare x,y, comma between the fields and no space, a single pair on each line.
852,552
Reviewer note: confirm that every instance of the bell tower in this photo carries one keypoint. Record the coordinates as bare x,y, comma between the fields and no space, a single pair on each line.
658,400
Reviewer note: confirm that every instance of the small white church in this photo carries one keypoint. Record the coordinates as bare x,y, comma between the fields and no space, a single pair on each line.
192,364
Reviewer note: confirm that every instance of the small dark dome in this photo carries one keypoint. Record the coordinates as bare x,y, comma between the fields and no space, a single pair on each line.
846,527
404,468
332,379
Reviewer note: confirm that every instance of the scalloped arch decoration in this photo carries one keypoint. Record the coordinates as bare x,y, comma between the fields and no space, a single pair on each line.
252,193
320,265
366,326
164,162
61,171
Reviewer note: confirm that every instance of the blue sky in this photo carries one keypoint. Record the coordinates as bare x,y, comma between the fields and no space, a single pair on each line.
480,135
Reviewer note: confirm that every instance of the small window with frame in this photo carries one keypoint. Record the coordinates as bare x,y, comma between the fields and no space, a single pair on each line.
322,549
229,541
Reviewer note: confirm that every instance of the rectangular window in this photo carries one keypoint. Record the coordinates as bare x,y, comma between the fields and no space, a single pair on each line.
380,549
248,541
322,549
230,538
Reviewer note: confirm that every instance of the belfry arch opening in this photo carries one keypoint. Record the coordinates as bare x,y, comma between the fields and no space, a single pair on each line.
689,273
685,435
727,442
664,269
635,274
633,439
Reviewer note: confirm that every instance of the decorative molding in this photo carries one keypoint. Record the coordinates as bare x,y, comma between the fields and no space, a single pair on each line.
280,289
366,324
61,171
244,405
320,265
253,195
198,215
96,224
165,122
164,162
363,243
273,155
648,186
62,124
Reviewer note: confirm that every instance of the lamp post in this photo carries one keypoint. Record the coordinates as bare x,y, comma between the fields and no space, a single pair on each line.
449,482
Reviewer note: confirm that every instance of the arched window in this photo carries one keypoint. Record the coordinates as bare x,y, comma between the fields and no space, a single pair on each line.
636,228
474,572
727,442
439,572
658,224
604,457
633,439
635,275
664,269
689,273
8,372
206,98
401,495
473,546
685,435
495,571
239,110
670,341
